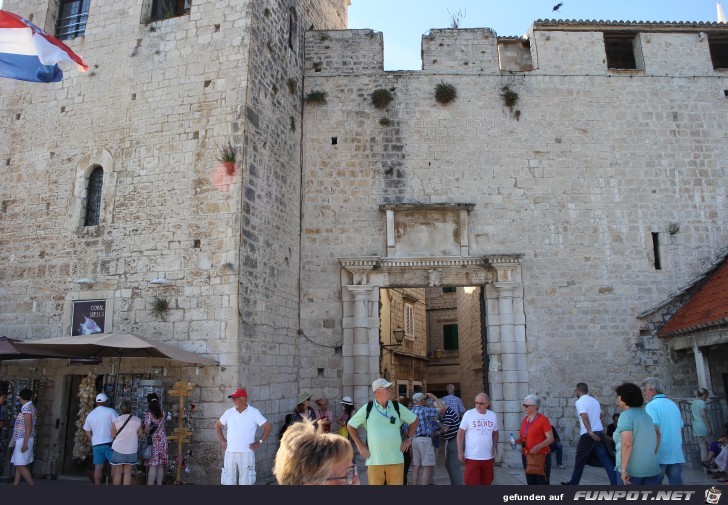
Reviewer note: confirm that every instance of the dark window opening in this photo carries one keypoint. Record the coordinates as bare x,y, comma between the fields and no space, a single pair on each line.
93,197
165,9
620,49
292,21
71,21
718,51
334,141
449,290
450,334
656,250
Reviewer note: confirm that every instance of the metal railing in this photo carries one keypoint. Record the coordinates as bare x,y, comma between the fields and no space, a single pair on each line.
714,411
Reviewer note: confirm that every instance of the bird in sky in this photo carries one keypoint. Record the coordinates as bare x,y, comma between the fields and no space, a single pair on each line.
557,7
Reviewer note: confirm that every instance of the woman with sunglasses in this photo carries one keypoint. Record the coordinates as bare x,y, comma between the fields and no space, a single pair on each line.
309,457
536,436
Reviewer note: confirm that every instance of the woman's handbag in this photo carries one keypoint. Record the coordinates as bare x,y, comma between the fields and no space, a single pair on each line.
535,464
147,443
344,432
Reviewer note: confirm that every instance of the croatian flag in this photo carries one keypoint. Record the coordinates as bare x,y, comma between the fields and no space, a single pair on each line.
27,53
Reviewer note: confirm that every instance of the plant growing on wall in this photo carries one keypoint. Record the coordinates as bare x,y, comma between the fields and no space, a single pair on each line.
291,83
510,99
316,96
228,158
385,121
160,308
445,93
381,98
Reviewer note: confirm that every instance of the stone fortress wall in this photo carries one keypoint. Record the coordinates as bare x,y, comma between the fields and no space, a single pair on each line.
578,176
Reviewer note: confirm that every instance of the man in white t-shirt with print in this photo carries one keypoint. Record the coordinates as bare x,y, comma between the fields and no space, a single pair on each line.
479,431
242,422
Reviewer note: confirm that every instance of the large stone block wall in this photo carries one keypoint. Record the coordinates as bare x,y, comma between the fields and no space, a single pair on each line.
577,182
157,106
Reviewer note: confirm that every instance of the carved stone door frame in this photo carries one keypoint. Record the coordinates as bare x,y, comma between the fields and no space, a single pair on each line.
500,277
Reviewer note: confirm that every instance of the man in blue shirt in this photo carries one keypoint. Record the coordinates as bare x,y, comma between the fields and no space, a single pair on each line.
423,451
666,417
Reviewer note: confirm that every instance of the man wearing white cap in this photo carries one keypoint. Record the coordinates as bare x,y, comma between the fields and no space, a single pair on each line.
98,430
383,450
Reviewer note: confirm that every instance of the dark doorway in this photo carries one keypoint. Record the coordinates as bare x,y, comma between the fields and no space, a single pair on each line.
70,466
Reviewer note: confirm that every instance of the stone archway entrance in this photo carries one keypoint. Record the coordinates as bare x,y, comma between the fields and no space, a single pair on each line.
500,278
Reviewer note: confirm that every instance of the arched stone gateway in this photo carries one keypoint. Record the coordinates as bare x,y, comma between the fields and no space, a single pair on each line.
499,275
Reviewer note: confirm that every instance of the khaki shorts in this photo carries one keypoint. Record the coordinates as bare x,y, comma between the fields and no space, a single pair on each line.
423,452
391,475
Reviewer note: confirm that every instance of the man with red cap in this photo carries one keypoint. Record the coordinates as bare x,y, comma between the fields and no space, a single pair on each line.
242,422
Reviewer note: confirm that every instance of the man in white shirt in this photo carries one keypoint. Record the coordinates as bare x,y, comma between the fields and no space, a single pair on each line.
592,436
98,430
242,422
479,431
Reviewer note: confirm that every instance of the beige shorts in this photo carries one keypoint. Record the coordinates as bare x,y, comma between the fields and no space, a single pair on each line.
423,452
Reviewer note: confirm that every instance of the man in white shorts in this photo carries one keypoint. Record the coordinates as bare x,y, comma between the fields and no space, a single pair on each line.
423,452
242,422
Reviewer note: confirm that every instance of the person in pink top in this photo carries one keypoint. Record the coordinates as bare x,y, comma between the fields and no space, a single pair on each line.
125,430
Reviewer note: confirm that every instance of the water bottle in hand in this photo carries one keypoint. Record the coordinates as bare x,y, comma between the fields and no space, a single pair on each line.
512,440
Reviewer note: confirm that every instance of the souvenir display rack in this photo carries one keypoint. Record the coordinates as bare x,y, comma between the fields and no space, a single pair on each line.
182,412
133,387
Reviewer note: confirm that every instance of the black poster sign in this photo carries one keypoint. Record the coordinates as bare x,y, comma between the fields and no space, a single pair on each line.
89,317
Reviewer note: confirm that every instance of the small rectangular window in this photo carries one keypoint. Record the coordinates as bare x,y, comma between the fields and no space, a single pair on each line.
656,250
718,51
71,20
621,50
166,9
409,321
449,290
450,337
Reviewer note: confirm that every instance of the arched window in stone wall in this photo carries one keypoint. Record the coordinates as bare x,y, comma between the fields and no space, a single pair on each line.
93,196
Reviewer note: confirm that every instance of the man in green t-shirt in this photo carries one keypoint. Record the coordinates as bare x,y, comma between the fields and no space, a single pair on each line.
384,447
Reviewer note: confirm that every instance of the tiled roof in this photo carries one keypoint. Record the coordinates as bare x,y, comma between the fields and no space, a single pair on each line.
644,25
707,307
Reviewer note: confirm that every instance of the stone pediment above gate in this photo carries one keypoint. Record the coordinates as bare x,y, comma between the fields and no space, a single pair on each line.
431,270
427,230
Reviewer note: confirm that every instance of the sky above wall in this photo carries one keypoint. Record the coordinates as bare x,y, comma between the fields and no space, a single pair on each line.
403,22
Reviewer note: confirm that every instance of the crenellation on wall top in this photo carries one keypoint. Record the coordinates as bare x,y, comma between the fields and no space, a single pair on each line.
336,52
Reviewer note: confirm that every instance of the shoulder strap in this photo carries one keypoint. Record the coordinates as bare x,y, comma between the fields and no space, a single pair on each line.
395,404
124,425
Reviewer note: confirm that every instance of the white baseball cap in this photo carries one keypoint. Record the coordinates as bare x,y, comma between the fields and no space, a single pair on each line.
380,383
101,397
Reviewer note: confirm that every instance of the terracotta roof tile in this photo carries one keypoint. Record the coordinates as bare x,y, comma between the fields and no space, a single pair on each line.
707,307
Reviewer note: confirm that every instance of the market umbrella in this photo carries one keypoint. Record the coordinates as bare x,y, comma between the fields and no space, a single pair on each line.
9,350
100,345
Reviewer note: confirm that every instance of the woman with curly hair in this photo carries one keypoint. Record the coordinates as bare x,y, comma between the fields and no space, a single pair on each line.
154,427
309,457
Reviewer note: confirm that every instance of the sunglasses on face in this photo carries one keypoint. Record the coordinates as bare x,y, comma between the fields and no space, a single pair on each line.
528,405
481,403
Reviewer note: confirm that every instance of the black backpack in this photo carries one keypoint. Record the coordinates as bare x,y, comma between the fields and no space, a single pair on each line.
370,405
